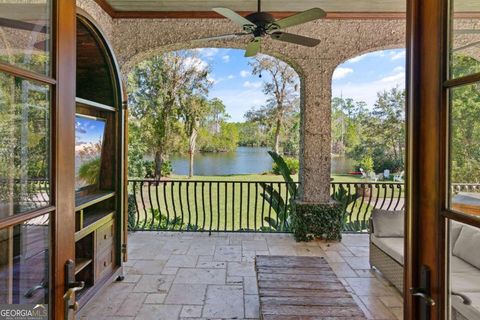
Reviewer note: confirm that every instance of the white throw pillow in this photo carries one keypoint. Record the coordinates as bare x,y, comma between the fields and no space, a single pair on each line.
388,223
467,246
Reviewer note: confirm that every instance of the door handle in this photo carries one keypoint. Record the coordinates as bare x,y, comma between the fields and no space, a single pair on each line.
72,286
417,292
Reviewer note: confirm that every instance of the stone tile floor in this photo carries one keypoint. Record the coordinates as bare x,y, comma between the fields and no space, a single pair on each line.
172,275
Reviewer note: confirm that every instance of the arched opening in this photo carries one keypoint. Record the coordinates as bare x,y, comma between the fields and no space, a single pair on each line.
212,115
368,134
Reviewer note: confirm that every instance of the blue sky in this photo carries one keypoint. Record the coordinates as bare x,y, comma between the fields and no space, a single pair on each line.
359,78
88,131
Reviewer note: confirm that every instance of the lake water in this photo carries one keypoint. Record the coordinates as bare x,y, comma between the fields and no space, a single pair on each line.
244,160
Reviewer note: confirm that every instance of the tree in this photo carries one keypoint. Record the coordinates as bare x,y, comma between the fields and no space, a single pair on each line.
156,88
282,90
194,109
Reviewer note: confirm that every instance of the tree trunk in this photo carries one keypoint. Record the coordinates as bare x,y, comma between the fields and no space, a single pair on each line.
191,151
277,137
158,164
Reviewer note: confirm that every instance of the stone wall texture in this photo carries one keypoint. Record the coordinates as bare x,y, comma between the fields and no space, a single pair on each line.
134,40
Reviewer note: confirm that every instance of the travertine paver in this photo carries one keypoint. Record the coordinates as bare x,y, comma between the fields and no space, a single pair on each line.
194,276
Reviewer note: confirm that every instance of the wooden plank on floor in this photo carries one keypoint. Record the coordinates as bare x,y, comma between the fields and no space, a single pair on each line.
302,288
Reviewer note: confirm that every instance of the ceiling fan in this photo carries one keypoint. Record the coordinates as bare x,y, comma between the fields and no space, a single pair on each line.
262,24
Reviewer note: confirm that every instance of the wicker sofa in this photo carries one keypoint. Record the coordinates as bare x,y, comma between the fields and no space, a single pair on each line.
387,254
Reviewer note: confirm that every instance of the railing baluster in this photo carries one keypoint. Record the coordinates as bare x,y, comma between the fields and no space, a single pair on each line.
181,204
144,207
248,206
136,205
241,205
270,210
203,206
158,205
256,208
196,206
263,207
233,206
165,198
152,209
392,196
188,207
226,207
218,206
287,202
398,186
211,209
174,209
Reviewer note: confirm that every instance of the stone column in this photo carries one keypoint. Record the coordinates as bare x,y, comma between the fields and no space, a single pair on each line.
315,131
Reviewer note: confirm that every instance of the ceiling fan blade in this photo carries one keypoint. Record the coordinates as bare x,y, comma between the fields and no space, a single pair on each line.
473,44
233,16
253,47
299,18
295,38
223,37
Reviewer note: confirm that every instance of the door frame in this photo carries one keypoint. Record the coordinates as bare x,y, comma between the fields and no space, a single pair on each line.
63,164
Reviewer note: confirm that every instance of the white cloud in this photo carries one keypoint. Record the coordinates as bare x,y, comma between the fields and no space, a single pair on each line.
208,52
356,59
226,58
341,72
239,100
367,91
230,77
399,69
244,73
252,85
398,55
394,78
194,62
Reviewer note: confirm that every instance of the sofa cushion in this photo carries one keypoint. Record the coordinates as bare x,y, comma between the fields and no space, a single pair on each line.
455,228
388,223
391,246
467,244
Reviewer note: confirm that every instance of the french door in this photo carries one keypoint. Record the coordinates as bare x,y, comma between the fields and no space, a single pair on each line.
443,224
37,108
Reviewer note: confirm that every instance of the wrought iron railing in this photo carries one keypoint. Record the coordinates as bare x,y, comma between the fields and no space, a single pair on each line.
188,205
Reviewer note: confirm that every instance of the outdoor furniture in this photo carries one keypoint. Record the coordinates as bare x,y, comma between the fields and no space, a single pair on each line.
292,288
364,175
387,256
399,176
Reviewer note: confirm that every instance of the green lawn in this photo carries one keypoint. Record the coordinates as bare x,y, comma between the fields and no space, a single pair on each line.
233,202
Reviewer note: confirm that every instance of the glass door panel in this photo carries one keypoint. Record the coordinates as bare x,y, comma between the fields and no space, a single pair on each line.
24,262
24,145
465,38
25,34
464,272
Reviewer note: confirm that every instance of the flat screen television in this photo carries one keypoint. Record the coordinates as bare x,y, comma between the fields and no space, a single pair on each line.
89,138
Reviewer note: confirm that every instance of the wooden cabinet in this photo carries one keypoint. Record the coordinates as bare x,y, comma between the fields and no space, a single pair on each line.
99,156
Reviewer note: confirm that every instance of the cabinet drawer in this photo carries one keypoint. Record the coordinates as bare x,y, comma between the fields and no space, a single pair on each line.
104,263
104,237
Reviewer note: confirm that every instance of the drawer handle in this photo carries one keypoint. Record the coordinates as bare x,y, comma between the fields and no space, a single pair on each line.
104,263
104,237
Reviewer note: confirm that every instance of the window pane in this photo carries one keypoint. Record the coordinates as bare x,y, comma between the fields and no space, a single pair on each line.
24,260
464,272
24,145
465,41
465,149
25,34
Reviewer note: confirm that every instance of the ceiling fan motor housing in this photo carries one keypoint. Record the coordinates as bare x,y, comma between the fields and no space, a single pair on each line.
263,23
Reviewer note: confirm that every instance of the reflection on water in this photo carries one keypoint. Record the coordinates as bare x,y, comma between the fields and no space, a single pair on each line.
245,160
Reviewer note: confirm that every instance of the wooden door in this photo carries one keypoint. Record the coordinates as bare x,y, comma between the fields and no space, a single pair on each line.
37,94
443,225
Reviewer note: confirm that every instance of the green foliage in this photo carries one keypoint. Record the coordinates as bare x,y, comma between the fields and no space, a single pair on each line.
132,212
89,171
310,221
293,165
223,141
345,199
367,163
275,199
465,124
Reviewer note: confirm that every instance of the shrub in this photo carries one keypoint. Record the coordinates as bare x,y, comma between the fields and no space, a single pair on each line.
89,171
367,163
292,163
166,169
